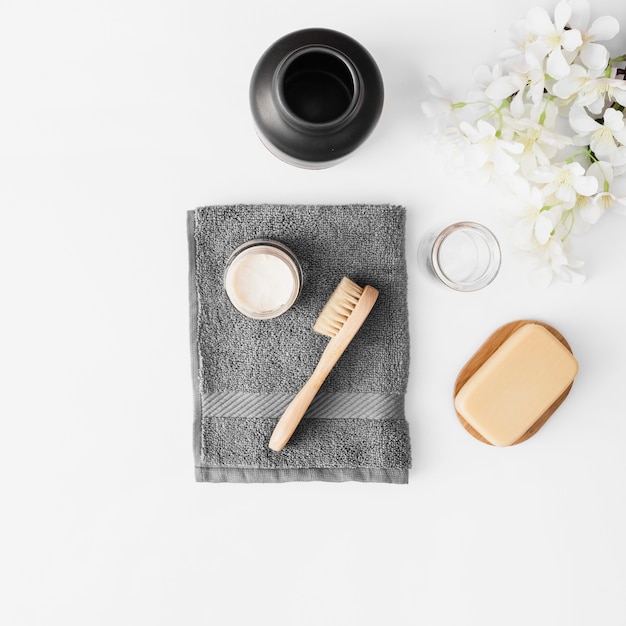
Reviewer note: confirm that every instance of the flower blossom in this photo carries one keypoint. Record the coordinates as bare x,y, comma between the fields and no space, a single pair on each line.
553,38
534,221
601,91
574,83
603,139
566,180
554,259
439,106
606,199
540,142
593,55
488,153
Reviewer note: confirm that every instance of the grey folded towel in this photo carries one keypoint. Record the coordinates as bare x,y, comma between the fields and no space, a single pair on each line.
246,371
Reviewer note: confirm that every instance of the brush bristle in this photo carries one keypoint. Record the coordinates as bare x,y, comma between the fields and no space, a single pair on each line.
338,308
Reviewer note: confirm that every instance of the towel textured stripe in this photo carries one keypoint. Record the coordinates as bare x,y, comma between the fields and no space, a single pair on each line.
328,405
246,371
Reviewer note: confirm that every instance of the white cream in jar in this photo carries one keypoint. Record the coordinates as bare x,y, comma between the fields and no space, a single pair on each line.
263,278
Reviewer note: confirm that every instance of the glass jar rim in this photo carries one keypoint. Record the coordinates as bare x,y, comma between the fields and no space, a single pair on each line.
492,268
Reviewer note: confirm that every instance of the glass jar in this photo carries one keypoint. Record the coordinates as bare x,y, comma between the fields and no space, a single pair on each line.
464,256
263,278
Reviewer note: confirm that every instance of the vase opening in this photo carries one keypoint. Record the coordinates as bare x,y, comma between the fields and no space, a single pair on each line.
318,85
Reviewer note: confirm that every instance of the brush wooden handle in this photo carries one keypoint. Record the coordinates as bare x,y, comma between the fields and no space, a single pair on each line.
335,348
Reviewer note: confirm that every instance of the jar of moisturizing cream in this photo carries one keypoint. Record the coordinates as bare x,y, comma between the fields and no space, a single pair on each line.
263,278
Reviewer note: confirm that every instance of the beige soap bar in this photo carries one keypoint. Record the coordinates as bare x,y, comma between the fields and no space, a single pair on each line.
516,385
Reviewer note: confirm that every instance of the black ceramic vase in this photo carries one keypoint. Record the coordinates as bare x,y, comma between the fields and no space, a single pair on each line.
316,95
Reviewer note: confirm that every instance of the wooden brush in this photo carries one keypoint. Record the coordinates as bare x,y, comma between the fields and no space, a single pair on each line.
340,319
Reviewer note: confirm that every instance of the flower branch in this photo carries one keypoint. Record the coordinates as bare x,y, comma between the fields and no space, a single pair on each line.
548,121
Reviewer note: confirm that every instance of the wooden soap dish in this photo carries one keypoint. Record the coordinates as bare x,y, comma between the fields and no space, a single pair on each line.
493,342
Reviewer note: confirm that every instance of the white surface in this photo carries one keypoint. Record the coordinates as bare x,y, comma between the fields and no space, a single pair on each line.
116,118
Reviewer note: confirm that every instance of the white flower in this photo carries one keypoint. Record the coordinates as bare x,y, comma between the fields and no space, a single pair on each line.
520,35
553,259
439,106
439,102
498,86
574,83
525,70
552,38
581,215
605,200
600,91
608,201
593,55
566,180
485,76
453,145
534,132
488,152
604,138
529,71
536,221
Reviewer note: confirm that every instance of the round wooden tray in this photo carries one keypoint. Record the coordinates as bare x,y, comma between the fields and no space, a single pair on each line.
493,342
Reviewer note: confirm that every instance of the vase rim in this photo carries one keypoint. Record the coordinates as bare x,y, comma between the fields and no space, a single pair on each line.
279,87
